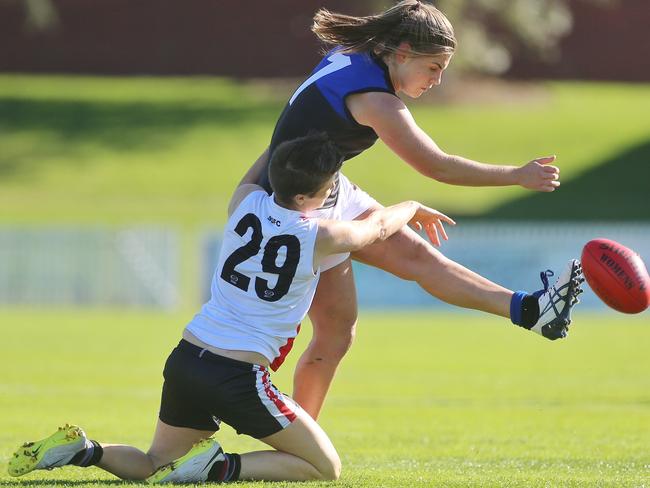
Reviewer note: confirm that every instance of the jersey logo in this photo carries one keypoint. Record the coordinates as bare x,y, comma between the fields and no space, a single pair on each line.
337,61
274,221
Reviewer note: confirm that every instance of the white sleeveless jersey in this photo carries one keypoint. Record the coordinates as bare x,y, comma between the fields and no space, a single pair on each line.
264,282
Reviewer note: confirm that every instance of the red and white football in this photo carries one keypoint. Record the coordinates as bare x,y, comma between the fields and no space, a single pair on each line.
617,275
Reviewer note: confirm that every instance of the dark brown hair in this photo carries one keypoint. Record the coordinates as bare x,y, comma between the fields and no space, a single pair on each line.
303,165
420,24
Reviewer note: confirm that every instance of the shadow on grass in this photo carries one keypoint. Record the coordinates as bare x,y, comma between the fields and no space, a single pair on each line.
617,189
66,125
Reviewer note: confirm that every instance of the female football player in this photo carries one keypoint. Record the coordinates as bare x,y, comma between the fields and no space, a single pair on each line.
353,96
266,278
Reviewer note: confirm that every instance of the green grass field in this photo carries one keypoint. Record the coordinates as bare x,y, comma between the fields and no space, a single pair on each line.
421,400
132,150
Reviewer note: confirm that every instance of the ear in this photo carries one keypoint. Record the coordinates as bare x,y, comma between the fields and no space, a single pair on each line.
299,200
403,51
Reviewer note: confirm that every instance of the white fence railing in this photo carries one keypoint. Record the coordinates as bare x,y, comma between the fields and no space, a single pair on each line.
127,267
141,267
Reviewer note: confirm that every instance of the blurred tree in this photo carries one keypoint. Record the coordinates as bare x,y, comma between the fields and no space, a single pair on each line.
491,31
40,15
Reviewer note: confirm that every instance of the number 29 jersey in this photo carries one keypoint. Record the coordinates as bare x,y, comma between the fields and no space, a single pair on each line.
264,282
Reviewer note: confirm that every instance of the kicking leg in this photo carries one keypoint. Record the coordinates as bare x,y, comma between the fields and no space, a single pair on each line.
333,314
408,256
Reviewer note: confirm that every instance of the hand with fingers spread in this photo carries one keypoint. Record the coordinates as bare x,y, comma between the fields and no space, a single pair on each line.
540,175
431,221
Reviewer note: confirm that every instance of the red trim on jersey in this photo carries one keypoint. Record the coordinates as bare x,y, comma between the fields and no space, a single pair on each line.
284,351
281,406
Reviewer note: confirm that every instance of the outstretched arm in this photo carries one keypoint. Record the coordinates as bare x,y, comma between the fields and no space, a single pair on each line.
347,236
394,124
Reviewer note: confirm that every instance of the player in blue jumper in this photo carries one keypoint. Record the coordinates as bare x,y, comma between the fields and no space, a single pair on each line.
353,96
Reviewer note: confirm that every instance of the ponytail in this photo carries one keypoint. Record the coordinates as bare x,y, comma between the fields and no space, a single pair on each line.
420,24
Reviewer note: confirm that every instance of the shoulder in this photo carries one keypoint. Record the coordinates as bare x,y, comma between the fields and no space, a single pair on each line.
241,193
351,72
376,101
372,106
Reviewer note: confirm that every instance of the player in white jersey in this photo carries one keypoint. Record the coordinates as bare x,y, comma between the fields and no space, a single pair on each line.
268,269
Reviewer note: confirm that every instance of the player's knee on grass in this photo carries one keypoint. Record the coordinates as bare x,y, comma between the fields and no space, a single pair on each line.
327,466
330,470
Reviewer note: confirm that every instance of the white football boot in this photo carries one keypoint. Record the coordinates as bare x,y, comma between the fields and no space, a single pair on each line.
556,302
193,467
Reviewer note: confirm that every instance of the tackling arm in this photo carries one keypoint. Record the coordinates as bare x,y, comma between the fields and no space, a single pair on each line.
347,236
248,184
255,172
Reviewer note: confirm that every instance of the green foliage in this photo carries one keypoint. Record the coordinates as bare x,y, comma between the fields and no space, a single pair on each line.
171,150
421,400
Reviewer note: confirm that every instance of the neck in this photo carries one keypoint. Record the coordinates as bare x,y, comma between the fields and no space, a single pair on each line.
389,60
285,205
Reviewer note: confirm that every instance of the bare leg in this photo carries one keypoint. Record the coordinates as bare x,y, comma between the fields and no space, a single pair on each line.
333,315
304,452
408,256
169,443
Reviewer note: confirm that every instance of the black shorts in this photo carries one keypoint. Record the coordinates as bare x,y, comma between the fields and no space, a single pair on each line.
201,389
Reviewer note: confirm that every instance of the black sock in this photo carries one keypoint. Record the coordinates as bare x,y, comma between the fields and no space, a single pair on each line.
227,470
89,455
234,468
529,311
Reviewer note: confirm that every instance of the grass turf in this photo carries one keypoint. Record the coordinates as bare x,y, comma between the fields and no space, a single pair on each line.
421,400
129,150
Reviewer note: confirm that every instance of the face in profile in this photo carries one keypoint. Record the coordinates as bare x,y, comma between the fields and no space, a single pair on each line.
414,74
